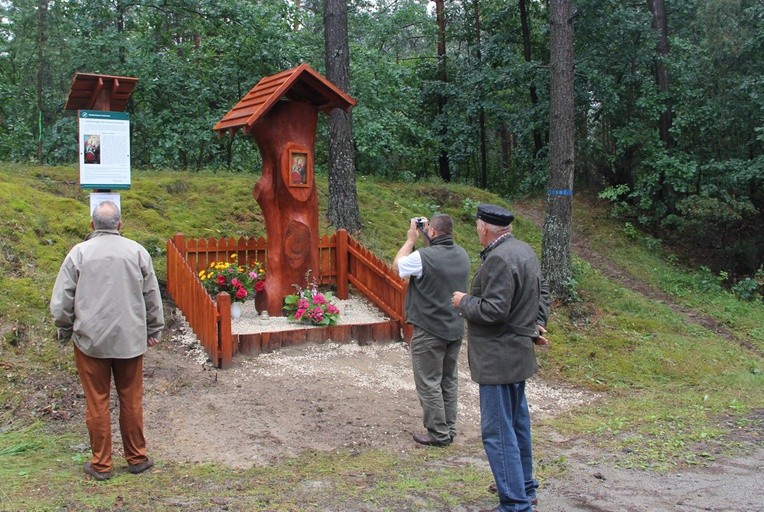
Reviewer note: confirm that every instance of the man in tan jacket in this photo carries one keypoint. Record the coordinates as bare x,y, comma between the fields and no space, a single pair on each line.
106,300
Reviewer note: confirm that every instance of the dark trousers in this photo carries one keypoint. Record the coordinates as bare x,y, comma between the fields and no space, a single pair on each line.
435,374
95,377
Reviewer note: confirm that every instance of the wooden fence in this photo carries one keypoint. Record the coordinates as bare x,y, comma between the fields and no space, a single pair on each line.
343,261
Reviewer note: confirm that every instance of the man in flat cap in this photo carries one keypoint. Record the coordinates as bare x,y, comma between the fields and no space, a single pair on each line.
434,273
506,311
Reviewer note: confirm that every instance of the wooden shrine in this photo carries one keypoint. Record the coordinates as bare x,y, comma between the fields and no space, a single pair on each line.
281,114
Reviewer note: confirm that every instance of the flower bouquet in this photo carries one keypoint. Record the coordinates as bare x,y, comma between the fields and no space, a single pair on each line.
311,306
240,282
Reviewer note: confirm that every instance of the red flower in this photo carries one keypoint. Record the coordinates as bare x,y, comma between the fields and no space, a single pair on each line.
221,279
241,292
260,286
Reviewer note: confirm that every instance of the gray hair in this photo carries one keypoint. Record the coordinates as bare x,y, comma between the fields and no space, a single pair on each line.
106,216
496,230
442,223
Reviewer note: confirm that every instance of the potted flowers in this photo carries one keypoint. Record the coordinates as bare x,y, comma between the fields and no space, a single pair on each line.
241,283
311,306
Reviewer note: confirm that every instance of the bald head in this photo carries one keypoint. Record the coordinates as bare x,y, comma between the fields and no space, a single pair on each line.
106,216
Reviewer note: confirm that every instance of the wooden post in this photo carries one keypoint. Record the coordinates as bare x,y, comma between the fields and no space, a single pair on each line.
341,253
225,340
180,243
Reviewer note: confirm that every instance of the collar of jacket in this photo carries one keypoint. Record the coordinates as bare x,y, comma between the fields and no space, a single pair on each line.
442,240
489,247
102,232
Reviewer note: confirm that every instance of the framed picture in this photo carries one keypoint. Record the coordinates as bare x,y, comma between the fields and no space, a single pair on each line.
298,169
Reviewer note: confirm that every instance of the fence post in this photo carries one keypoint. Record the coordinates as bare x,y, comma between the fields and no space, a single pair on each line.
225,340
180,243
341,253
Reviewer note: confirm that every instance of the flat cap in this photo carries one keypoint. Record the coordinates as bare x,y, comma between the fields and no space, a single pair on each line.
496,215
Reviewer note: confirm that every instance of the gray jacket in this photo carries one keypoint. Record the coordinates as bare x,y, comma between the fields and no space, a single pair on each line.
106,297
509,298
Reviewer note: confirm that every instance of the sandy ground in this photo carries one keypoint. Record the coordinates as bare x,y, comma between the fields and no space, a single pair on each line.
323,397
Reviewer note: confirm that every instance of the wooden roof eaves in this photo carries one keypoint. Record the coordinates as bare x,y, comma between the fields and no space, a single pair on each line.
86,87
333,88
275,96
271,89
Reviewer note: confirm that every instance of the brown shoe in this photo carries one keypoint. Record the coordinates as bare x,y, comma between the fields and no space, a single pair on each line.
97,475
141,466
427,440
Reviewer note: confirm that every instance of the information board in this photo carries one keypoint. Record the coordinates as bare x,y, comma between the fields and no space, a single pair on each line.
104,149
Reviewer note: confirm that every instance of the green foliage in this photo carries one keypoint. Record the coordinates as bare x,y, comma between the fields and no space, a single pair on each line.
699,188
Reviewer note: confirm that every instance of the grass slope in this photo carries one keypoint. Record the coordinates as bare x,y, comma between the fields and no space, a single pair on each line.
675,391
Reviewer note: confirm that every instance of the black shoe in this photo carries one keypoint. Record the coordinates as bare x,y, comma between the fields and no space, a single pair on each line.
427,440
98,475
141,466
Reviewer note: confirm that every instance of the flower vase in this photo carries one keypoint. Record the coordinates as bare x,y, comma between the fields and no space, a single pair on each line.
235,310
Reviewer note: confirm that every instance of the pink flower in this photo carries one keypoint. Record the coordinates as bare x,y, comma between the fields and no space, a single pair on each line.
319,298
235,282
303,304
298,314
252,275
241,292
317,314
332,309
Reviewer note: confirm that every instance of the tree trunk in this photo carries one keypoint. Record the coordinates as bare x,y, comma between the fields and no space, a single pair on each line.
442,130
481,110
538,140
42,38
660,25
555,251
342,209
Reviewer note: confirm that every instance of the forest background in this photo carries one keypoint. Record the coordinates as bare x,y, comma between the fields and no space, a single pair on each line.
669,99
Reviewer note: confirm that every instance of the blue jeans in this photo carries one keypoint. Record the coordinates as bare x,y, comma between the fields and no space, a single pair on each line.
505,424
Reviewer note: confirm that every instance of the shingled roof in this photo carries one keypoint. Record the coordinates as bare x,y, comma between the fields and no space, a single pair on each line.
87,88
301,83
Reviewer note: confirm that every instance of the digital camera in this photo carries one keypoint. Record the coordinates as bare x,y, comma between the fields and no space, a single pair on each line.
419,222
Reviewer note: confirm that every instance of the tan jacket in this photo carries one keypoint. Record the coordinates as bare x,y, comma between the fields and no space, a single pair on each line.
106,297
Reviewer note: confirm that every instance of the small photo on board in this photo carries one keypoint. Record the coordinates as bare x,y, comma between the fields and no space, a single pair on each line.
92,145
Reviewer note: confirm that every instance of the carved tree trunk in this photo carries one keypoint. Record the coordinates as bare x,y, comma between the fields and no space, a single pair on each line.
290,212
555,259
342,210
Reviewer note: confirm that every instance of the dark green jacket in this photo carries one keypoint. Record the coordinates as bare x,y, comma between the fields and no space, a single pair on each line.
509,298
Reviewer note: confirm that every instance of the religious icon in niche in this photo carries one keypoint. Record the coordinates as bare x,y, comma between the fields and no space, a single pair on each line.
298,169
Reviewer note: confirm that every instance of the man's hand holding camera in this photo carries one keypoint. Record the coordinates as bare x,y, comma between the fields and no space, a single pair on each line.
418,224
